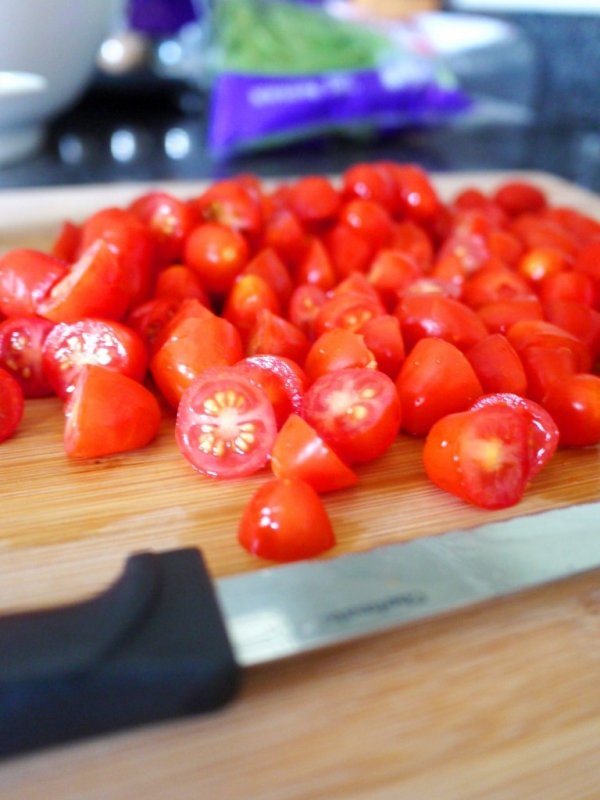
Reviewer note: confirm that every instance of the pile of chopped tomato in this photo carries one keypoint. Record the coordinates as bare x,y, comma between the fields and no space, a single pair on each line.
307,327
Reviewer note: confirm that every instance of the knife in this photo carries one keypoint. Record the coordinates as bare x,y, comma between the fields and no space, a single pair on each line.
165,641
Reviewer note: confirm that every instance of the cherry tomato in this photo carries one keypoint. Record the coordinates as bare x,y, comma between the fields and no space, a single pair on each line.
348,310
369,182
494,285
348,250
299,452
231,203
579,320
21,341
411,239
217,254
567,285
276,336
500,316
538,263
108,412
169,220
481,455
225,424
519,197
66,245
429,315
391,273
249,295
574,404
543,432
416,196
269,266
69,347
497,365
538,333
26,277
179,282
315,266
272,528
337,349
282,380
12,404
283,232
369,219
95,287
435,379
383,338
151,318
588,259
356,411
314,200
305,304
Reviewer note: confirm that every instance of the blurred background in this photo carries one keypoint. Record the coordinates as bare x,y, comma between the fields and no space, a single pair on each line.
185,89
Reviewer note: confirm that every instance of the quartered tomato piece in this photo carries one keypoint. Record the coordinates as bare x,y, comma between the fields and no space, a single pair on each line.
348,250
249,295
21,341
179,282
151,318
282,380
269,266
425,315
69,347
369,219
356,411
108,413
225,424
26,277
299,452
391,273
305,304
543,432
67,243
12,404
337,349
315,266
383,338
272,528
574,404
276,336
497,365
481,455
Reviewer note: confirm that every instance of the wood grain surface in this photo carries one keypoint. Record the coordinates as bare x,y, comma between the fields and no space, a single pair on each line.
501,701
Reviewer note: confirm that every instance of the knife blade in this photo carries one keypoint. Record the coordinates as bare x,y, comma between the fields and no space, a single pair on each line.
166,641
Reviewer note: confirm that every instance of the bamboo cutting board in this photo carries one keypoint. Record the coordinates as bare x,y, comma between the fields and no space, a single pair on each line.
500,701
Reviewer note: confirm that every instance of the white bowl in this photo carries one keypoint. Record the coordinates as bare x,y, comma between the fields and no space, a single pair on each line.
54,42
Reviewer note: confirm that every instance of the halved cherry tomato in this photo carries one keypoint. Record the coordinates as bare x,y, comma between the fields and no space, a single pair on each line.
435,379
283,232
543,433
413,240
12,404
276,336
538,263
481,455
305,303
348,310
282,380
499,317
429,315
217,254
108,413
494,285
26,277
299,452
369,182
497,365
570,285
383,338
315,267
225,424
391,273
151,318
369,219
272,528
21,341
249,295
180,283
538,333
337,349
574,404
95,287
69,347
579,320
169,220
67,243
269,266
348,250
356,411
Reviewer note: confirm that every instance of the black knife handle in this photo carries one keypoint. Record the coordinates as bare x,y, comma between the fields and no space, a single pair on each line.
151,647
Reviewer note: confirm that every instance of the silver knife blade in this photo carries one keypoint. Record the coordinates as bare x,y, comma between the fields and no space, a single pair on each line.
292,609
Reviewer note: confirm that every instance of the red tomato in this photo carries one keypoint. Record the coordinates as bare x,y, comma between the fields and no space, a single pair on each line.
481,455
538,333
369,182
497,365
169,220
494,285
108,413
132,244
274,335
67,243
315,267
299,452
193,344
391,273
217,254
499,317
537,231
179,282
348,250
356,411
383,338
567,285
269,266
356,283
272,528
26,277
305,304
225,424
231,203
21,341
283,232
314,200
588,259
543,432
538,263
94,287
369,219
429,315
249,295
579,320
337,349
519,197
12,404
151,318
69,347
282,380
435,379
574,404
412,240
348,310
416,196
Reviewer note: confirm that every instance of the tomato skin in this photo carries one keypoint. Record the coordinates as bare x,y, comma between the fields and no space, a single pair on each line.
299,452
276,336
356,411
283,233
337,349
383,338
499,317
249,295
315,267
94,287
231,203
169,221
543,431
497,365
271,527
391,273
416,197
369,182
579,320
151,318
436,379
281,379
225,424
480,455
314,200
67,243
369,219
348,250
587,260
349,310
21,342
494,284
69,347
26,277
269,266
568,285
413,240
217,254
179,282
428,315
539,333
574,404
193,345
303,310
519,197
108,413
12,405
537,263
